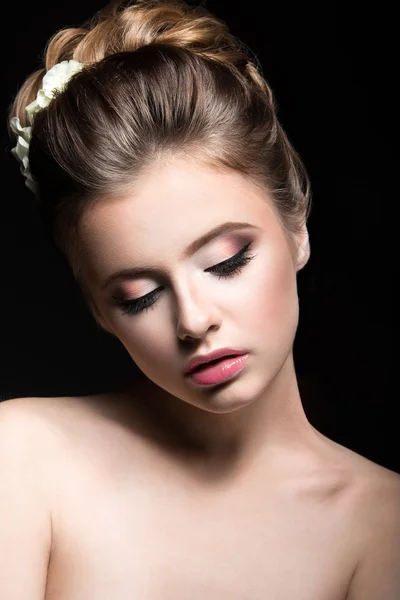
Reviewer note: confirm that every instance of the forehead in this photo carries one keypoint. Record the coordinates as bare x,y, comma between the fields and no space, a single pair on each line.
174,204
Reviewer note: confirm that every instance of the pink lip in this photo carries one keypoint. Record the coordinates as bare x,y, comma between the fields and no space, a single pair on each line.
217,372
215,355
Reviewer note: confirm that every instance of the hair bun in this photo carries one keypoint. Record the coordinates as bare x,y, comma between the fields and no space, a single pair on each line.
126,26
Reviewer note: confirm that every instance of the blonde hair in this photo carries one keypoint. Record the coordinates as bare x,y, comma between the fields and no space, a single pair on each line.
161,78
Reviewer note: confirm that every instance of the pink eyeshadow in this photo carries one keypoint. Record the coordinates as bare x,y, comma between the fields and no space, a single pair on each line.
222,250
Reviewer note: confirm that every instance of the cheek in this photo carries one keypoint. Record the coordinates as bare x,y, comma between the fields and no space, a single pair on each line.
271,306
148,343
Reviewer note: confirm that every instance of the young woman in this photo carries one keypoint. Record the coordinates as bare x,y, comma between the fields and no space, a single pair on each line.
151,141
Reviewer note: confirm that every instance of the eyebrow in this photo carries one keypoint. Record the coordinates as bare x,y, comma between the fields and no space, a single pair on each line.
134,272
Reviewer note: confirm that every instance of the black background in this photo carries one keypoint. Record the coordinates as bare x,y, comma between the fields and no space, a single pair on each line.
332,72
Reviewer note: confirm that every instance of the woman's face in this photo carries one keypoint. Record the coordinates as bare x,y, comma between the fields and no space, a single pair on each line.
179,306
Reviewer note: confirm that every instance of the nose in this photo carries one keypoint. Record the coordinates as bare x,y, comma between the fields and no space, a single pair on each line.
196,313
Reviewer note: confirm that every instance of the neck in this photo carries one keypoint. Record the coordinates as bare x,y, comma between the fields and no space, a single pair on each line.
273,425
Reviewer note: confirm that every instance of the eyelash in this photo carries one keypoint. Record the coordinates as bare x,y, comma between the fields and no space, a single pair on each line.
228,268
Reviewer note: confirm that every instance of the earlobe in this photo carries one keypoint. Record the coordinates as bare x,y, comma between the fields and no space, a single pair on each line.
104,325
304,250
100,321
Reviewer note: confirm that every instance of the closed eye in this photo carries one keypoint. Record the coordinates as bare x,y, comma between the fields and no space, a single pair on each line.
228,268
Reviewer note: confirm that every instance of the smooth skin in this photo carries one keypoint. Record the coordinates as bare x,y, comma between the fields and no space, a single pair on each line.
171,490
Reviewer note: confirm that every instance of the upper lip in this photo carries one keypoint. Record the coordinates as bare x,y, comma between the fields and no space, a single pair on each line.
204,358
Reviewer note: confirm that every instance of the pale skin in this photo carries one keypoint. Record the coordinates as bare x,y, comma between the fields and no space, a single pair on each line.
172,490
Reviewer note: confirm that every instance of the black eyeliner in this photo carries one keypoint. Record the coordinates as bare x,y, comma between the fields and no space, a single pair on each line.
233,266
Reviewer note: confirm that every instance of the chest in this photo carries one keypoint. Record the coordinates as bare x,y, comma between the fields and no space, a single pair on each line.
161,542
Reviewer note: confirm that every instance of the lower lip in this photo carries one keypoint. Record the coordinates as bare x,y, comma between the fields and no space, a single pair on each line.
220,371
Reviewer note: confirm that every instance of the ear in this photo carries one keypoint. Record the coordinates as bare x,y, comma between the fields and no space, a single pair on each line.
303,248
103,324
100,321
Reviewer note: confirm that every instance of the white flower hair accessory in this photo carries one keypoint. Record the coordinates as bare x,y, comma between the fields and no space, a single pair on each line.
54,81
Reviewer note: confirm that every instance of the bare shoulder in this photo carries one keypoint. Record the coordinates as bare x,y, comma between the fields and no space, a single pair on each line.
25,508
372,485
366,494
37,412
377,531
372,515
70,430
63,409
376,496
22,416
47,423
19,431
371,488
